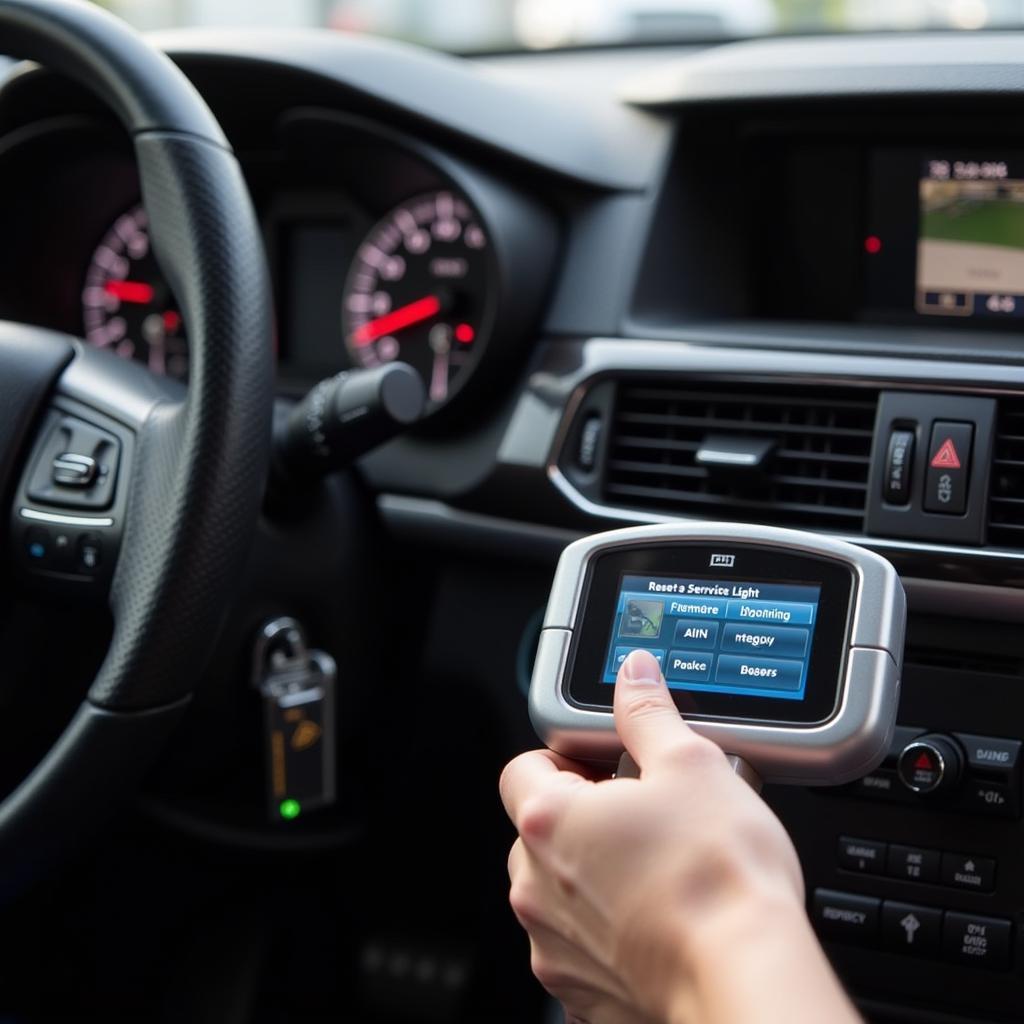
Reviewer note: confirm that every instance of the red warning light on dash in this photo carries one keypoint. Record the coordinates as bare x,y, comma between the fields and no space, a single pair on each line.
872,245
946,457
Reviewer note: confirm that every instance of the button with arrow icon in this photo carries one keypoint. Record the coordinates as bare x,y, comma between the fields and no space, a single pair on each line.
909,928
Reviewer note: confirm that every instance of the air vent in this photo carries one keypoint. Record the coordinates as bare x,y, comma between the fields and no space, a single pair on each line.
1006,497
812,446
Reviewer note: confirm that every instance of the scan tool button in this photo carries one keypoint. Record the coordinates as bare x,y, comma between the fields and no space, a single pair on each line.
688,667
696,634
776,641
759,673
775,613
622,653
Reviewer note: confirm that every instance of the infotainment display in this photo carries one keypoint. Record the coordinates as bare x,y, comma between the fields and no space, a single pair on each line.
970,242
721,636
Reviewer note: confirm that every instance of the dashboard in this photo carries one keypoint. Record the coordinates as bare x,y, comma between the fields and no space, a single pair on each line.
609,269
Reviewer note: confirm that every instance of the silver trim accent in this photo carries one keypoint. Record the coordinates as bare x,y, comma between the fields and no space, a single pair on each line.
35,515
852,742
713,457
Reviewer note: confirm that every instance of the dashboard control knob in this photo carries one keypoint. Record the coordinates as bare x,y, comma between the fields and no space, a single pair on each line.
343,418
930,763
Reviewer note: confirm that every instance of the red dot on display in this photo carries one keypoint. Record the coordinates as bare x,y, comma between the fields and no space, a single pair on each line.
872,244
464,333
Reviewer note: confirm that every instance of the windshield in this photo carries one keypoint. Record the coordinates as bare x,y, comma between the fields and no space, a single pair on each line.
481,25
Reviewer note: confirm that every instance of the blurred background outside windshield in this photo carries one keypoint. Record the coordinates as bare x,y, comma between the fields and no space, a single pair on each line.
482,25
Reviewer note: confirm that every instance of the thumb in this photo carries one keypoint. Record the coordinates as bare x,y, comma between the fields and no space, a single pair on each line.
646,717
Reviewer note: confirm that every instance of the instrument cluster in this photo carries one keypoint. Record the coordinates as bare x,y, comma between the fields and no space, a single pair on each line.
381,249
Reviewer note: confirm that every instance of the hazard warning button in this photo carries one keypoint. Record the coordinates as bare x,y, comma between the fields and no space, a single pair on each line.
930,763
949,467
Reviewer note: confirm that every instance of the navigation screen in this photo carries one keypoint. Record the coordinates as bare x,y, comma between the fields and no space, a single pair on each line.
744,639
970,248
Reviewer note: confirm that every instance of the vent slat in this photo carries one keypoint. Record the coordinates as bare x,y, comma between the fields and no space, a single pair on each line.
1006,489
669,420
816,474
636,491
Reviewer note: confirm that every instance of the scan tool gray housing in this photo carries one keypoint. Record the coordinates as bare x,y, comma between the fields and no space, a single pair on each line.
852,742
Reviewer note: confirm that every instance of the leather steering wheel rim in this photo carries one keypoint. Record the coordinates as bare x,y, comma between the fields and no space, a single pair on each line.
199,465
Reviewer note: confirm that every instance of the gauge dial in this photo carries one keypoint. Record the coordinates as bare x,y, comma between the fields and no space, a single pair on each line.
419,291
127,306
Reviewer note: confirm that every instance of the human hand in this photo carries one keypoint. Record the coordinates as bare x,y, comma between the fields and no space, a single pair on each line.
675,897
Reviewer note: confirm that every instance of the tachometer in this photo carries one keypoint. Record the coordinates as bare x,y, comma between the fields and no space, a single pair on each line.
127,305
419,291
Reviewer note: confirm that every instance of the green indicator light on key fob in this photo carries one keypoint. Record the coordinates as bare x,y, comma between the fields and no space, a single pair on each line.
290,809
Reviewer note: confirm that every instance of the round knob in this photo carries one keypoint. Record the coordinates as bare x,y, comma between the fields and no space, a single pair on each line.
930,763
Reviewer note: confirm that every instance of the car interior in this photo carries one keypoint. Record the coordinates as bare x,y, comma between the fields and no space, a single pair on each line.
317,349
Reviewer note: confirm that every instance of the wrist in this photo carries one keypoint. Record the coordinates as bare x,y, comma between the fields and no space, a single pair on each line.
756,959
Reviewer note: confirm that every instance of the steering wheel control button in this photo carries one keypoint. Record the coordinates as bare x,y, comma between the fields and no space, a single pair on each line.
909,928
929,764
913,864
76,467
949,467
90,553
964,871
37,546
977,941
862,855
844,917
73,470
899,463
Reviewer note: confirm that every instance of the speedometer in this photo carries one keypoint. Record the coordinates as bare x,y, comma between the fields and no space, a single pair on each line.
127,306
419,290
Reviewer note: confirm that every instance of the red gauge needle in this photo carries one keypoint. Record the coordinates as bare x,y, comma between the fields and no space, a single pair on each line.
397,320
130,291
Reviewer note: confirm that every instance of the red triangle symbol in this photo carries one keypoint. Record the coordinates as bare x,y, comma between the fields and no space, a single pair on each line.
946,457
923,761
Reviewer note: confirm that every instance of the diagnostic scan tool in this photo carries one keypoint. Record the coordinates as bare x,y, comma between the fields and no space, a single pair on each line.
783,647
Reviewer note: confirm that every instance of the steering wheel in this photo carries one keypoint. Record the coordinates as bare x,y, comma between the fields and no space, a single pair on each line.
184,472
